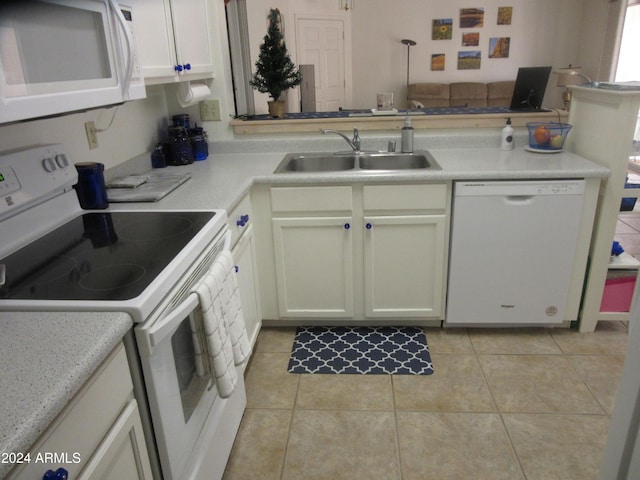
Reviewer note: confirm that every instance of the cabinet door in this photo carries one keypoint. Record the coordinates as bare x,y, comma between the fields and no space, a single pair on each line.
154,35
244,258
314,266
404,259
122,453
192,33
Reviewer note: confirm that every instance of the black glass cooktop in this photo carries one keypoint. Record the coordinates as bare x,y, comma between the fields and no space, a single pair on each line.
100,256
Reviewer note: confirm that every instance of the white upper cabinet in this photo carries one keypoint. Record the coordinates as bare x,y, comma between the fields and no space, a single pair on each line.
175,39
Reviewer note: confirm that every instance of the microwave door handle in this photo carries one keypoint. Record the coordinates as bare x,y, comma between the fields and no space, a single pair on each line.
160,330
127,33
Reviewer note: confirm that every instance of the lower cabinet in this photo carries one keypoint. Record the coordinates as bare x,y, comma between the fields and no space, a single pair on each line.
97,435
244,255
360,252
314,266
404,259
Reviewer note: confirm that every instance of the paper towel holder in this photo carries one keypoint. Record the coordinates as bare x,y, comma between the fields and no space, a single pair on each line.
191,92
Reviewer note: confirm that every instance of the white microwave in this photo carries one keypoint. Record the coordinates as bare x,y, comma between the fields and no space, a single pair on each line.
59,56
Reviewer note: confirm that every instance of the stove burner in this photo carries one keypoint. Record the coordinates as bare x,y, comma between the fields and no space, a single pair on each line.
155,228
112,277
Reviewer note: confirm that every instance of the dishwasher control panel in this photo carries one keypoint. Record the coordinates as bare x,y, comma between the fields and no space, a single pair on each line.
520,188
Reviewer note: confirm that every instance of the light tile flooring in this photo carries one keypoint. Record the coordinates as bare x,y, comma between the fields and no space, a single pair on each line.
502,404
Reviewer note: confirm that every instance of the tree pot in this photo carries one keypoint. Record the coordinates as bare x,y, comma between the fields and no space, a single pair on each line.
277,108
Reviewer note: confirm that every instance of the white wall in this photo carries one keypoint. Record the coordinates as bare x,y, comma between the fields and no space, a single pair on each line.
136,128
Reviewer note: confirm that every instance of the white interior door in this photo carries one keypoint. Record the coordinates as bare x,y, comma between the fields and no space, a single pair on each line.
321,43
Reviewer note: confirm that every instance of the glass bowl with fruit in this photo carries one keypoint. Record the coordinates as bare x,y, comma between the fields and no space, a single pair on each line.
547,137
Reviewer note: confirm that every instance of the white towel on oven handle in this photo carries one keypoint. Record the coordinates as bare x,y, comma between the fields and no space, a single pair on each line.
224,327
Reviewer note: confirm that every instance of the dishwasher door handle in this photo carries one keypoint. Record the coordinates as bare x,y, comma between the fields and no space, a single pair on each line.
518,199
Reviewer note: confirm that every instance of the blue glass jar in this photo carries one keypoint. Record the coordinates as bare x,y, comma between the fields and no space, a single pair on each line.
181,152
158,160
91,189
199,143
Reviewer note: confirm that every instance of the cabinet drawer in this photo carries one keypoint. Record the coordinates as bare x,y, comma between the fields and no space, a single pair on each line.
405,197
83,423
311,199
240,218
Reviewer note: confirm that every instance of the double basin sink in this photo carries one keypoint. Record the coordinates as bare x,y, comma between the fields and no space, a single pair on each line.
350,161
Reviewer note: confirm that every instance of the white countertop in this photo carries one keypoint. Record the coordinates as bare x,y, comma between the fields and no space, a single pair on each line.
222,179
46,358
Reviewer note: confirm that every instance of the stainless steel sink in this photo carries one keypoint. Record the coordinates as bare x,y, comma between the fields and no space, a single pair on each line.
322,162
397,161
328,162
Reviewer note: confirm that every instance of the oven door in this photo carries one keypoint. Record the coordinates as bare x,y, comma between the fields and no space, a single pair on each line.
186,410
181,391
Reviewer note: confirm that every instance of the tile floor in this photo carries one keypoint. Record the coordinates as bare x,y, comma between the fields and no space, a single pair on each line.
502,404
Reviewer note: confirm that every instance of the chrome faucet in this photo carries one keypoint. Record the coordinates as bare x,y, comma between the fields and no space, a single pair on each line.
353,143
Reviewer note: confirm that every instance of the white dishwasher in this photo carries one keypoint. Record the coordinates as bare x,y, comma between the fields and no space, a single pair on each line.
512,251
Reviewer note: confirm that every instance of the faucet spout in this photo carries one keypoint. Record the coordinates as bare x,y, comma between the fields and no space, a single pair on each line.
353,143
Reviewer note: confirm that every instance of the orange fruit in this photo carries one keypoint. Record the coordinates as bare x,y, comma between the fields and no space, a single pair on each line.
542,135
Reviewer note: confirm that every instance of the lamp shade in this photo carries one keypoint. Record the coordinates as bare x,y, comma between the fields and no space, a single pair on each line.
569,76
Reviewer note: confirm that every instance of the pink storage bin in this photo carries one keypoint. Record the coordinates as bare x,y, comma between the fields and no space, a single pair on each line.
618,293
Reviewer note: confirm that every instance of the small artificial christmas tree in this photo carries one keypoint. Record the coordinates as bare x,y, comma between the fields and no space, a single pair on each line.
275,72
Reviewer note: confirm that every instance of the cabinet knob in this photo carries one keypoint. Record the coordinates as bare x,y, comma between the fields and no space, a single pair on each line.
347,226
368,226
59,474
178,68
244,219
236,268
187,66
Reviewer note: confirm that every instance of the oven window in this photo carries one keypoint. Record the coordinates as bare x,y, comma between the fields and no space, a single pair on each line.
192,370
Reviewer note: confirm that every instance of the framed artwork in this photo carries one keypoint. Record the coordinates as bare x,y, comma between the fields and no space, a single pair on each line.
441,29
471,17
470,39
469,60
437,62
504,15
499,47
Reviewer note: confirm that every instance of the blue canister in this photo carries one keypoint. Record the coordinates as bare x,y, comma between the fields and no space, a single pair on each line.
91,189
158,160
199,143
181,152
181,120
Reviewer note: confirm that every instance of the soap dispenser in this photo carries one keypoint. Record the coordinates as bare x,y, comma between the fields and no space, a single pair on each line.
506,142
406,139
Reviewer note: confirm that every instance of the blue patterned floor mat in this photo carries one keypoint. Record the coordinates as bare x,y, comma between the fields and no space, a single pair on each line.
361,350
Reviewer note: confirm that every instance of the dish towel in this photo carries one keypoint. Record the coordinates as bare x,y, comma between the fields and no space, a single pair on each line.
223,320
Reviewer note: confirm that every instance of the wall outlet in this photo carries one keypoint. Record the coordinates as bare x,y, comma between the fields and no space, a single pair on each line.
210,110
92,134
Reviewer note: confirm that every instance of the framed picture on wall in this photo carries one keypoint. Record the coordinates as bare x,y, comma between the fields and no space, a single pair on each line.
437,62
441,29
499,47
470,39
469,60
504,15
471,17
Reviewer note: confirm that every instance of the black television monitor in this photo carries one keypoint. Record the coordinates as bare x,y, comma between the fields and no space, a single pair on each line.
529,89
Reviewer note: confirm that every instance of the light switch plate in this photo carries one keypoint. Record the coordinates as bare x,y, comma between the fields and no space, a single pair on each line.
210,110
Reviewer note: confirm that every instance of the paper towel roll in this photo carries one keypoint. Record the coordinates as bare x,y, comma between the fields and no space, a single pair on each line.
189,93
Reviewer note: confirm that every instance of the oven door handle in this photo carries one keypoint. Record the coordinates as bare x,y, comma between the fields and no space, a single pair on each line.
159,331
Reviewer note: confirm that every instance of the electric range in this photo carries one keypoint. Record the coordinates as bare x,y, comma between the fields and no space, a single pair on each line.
55,256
